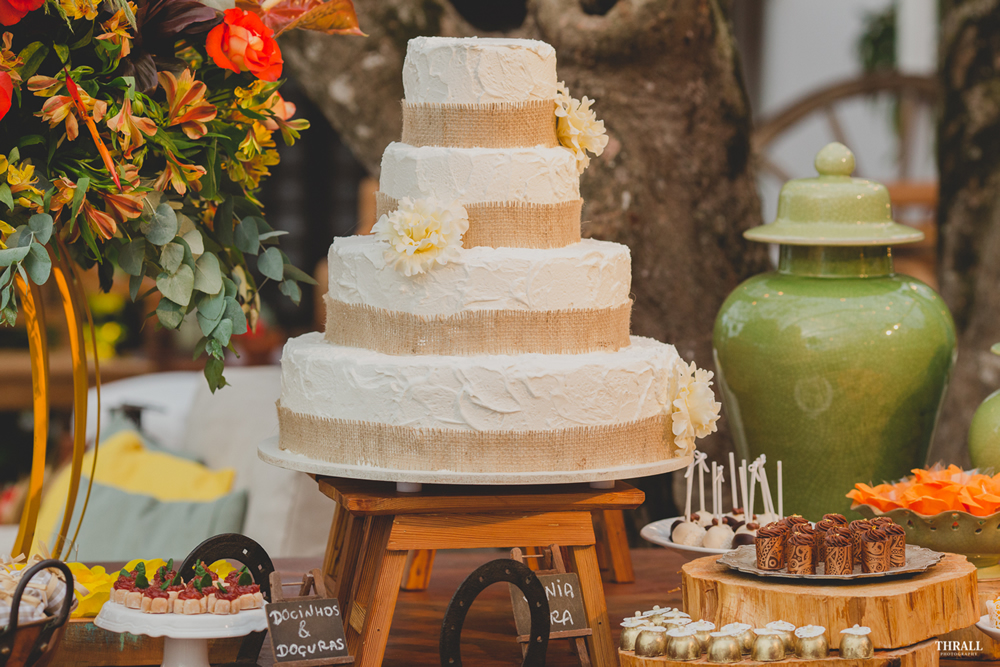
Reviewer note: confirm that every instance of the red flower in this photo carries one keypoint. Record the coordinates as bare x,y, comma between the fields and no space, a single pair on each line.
6,93
12,11
242,43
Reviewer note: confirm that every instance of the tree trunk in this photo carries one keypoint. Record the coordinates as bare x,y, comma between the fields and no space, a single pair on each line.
969,210
675,183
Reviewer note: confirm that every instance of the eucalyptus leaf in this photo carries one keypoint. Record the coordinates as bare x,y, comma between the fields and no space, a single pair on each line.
223,222
195,242
199,349
134,283
214,349
291,289
270,235
177,286
231,289
171,257
213,373
208,275
169,313
4,296
236,314
38,264
295,273
245,236
208,324
223,332
270,264
131,257
21,238
41,225
5,277
162,226
212,306
10,255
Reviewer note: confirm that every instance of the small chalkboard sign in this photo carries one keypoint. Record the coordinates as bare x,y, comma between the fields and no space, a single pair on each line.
306,631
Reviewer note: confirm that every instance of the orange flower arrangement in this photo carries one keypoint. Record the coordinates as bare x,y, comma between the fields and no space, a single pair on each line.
933,491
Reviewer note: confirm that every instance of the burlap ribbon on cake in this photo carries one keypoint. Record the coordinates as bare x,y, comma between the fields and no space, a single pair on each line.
491,125
478,331
511,224
363,443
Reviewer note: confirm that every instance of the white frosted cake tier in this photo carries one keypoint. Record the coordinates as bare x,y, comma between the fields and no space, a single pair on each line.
588,274
470,175
478,393
476,71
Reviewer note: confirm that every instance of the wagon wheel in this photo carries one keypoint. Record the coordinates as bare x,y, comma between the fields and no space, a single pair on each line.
914,201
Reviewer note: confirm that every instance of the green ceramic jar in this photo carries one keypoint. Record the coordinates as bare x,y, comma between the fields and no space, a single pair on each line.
833,364
984,431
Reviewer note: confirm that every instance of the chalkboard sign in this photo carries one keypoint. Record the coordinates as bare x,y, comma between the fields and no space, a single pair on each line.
565,605
306,631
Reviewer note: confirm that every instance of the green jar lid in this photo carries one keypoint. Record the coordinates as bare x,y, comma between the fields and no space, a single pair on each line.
834,208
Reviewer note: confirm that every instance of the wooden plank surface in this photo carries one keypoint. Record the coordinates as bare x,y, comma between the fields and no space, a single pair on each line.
924,654
943,599
474,531
366,497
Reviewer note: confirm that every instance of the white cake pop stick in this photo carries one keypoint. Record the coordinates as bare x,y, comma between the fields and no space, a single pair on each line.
752,474
719,484
765,488
747,511
732,480
699,458
689,476
715,497
781,493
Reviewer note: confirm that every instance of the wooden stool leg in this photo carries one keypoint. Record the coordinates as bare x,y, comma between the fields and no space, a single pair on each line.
603,652
419,564
616,540
374,594
346,564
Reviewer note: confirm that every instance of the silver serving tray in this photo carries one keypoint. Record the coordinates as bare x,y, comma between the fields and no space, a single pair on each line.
744,559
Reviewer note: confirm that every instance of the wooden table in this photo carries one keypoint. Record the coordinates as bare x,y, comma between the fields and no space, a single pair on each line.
377,526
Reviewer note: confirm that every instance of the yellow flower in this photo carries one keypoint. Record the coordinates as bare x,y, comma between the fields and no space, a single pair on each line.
131,128
422,233
578,128
695,410
79,9
188,107
22,179
258,140
117,30
249,172
97,583
180,176
9,60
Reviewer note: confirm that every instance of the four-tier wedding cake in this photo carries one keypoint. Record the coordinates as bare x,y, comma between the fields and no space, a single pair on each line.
475,332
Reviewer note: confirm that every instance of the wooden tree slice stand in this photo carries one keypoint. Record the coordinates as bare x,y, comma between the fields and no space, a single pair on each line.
900,611
924,654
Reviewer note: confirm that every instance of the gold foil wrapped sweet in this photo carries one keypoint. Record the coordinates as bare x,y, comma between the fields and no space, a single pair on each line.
682,644
811,643
768,646
855,644
785,630
723,647
651,642
744,633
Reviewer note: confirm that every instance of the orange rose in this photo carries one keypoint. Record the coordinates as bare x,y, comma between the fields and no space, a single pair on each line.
12,11
6,93
242,43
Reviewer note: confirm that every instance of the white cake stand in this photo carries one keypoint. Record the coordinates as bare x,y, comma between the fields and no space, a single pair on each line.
410,480
185,642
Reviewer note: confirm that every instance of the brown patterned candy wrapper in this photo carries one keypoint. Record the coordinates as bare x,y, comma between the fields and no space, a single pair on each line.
896,536
822,528
874,552
807,529
801,556
770,543
839,559
857,528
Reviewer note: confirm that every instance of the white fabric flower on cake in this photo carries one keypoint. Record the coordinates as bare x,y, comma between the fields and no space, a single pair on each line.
695,409
422,233
578,128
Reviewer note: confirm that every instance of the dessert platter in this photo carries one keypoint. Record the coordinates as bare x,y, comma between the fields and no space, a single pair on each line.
717,532
475,336
186,614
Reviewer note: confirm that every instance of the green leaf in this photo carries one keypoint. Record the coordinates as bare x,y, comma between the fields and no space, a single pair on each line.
4,296
14,155
245,236
169,313
213,348
291,289
41,225
199,348
5,277
38,264
177,286
63,52
8,316
10,255
131,258
295,273
21,238
223,222
5,196
32,55
270,235
195,242
213,373
270,264
162,228
208,275
212,306
245,578
134,283
141,581
171,257
231,289
223,332
79,193
236,314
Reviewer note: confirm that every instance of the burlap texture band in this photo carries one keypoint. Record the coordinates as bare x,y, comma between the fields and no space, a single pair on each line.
495,125
511,224
478,331
361,443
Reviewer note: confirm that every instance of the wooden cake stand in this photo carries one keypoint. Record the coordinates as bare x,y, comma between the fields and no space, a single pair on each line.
901,611
924,654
